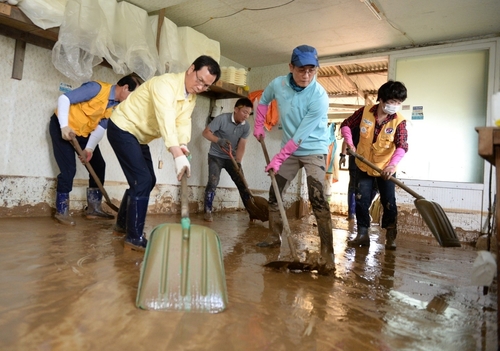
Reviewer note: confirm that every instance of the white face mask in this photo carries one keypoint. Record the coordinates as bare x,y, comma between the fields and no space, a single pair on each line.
391,109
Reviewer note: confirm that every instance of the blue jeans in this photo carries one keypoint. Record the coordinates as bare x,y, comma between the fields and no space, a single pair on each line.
135,161
364,196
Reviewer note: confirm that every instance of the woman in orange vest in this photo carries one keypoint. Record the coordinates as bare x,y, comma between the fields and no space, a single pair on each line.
382,141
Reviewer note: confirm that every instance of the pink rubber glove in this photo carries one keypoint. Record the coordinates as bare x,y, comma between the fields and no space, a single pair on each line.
397,156
347,135
258,129
278,159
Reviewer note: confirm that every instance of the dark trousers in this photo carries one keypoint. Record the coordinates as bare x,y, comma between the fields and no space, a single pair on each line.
364,196
64,154
215,166
351,191
135,161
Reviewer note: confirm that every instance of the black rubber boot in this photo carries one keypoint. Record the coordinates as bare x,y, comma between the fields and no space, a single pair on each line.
362,238
136,218
120,227
209,198
390,237
94,209
62,209
276,226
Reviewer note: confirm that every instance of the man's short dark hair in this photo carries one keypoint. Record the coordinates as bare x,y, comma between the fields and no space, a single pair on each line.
244,102
212,66
132,80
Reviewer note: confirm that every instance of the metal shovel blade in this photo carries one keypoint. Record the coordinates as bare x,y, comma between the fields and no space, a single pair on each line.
437,221
257,208
180,274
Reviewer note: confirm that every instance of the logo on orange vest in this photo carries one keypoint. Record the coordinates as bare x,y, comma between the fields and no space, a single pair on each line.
389,130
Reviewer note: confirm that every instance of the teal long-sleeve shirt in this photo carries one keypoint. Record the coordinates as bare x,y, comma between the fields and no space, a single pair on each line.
303,115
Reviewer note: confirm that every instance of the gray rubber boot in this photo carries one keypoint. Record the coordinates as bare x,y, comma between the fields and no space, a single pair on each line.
390,238
94,209
276,226
62,209
361,239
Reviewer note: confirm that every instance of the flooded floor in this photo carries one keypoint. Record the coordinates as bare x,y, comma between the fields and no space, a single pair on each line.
74,288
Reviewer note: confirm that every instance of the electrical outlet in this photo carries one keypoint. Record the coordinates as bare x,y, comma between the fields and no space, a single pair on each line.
160,164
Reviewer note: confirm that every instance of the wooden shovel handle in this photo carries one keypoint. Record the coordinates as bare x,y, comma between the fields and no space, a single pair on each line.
236,167
79,150
392,179
286,228
184,197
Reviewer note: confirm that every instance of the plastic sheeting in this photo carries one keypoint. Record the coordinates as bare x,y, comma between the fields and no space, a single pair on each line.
134,40
120,33
44,13
194,44
170,50
484,269
95,29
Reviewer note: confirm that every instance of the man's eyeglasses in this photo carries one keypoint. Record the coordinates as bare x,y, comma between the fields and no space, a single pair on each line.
303,70
201,81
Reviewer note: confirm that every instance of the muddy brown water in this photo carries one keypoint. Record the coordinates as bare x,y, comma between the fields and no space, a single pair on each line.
74,288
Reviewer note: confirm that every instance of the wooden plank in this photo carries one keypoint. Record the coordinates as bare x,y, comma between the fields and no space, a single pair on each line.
161,17
27,37
16,19
5,9
489,137
18,65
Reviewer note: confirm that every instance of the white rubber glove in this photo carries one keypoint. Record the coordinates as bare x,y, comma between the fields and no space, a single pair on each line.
182,166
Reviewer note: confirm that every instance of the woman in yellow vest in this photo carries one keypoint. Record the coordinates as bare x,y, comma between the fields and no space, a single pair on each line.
383,141
84,113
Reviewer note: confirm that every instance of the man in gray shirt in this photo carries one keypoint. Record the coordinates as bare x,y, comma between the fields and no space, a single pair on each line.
227,129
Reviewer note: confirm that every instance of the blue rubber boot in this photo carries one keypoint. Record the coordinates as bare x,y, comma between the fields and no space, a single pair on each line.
62,209
136,218
209,199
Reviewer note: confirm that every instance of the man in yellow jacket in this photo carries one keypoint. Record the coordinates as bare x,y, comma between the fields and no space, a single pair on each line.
159,108
83,114
382,141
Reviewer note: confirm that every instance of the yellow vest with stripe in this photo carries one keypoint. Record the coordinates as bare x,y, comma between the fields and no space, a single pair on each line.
84,117
381,151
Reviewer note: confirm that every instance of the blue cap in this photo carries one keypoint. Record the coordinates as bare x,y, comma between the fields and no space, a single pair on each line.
304,55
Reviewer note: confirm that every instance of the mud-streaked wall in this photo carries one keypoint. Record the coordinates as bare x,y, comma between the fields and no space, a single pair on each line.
28,170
